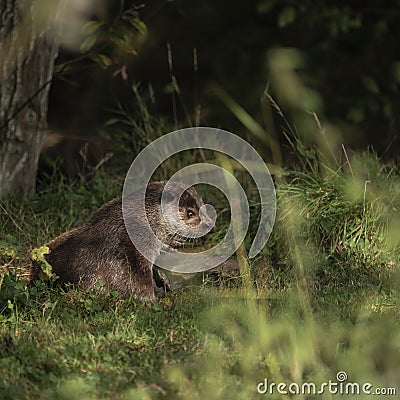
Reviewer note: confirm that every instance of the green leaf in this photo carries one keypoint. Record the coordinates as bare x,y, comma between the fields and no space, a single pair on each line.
92,27
39,253
286,17
266,6
38,256
88,44
370,84
101,59
112,121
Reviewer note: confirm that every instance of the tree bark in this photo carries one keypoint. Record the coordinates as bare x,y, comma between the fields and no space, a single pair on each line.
27,52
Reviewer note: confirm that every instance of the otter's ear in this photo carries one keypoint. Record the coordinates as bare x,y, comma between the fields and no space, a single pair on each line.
169,197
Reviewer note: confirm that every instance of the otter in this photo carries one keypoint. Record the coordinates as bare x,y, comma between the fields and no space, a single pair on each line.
101,250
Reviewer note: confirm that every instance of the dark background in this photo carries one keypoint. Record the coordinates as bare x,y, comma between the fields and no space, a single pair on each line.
351,52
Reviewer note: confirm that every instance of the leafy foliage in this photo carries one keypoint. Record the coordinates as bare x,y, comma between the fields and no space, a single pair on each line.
111,41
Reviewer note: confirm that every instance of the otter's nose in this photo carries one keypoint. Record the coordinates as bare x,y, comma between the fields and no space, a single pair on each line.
210,226
208,216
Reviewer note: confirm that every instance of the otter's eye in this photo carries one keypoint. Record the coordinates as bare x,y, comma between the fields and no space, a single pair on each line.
190,213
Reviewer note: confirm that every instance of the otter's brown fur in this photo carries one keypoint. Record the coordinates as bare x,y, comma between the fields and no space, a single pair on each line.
101,249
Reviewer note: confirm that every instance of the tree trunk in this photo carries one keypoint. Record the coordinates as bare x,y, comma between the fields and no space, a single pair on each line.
27,52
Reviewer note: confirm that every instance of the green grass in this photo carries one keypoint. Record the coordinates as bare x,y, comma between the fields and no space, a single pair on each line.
110,343
327,300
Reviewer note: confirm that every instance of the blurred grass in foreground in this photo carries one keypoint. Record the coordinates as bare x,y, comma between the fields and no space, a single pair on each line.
327,287
327,301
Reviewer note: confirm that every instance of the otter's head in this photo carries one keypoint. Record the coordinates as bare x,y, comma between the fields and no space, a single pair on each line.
183,214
